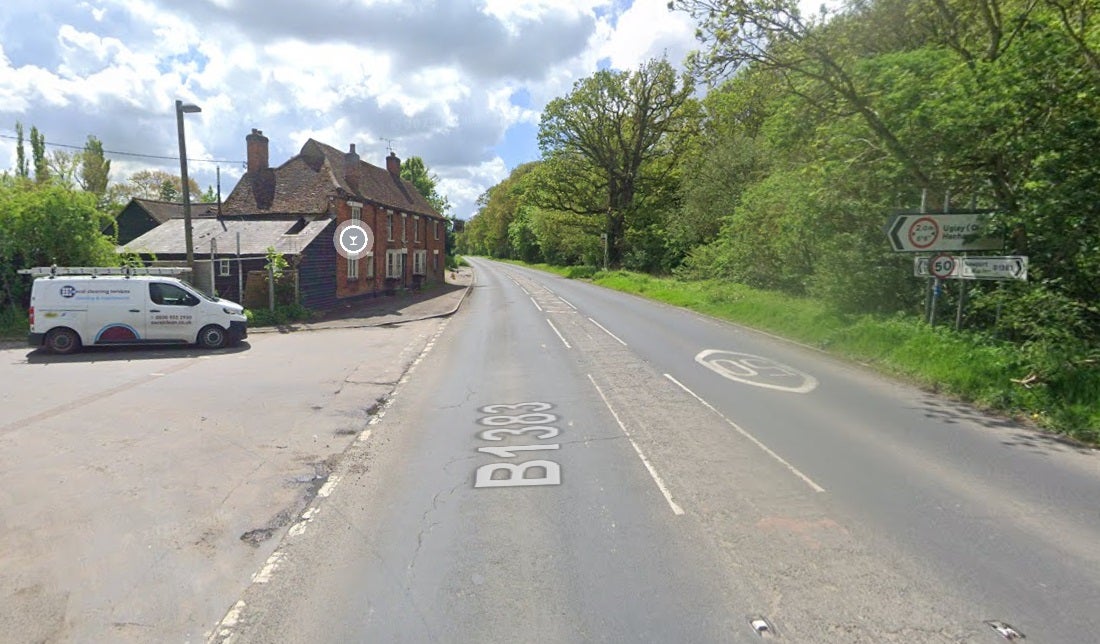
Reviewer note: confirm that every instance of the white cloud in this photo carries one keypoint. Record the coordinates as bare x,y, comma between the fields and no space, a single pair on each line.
435,77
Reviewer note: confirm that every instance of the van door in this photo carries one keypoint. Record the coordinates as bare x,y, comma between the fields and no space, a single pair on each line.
172,313
116,310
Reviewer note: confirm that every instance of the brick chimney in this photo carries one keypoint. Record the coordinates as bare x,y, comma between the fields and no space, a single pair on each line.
393,164
256,144
351,169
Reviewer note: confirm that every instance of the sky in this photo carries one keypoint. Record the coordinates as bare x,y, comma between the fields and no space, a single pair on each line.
459,83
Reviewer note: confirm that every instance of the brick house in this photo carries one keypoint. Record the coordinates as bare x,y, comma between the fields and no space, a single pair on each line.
312,193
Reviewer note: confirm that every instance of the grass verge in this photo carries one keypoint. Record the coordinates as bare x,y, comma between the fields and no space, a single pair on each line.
972,367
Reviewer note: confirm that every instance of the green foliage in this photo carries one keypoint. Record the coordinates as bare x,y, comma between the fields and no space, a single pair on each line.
427,184
95,169
44,225
22,170
283,314
13,323
38,153
276,262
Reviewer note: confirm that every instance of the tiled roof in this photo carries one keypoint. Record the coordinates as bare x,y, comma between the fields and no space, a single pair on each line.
257,235
304,184
162,211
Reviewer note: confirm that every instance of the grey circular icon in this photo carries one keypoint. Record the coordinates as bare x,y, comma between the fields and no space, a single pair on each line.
353,239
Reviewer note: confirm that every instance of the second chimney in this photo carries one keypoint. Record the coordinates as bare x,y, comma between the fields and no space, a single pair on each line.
393,164
256,144
351,169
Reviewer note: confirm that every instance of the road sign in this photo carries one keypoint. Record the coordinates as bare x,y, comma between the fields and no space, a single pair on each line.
938,232
1010,267
943,266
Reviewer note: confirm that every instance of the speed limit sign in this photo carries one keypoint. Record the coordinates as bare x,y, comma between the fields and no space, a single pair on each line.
942,266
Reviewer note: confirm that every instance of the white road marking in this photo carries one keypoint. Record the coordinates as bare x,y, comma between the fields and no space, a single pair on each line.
756,371
676,509
562,337
264,575
567,302
332,481
525,291
536,304
620,340
753,439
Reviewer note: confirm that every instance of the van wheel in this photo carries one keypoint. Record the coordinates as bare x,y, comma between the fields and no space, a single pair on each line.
62,341
213,336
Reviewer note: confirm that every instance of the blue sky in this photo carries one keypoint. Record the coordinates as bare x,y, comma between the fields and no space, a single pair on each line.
460,83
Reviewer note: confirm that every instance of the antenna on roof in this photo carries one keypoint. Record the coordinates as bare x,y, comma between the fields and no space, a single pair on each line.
389,143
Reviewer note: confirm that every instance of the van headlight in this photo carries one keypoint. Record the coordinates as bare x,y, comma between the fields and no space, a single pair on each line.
230,311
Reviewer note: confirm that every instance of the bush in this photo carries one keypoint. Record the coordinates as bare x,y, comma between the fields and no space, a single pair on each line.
282,314
580,272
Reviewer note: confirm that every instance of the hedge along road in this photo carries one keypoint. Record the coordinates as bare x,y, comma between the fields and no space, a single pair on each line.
574,464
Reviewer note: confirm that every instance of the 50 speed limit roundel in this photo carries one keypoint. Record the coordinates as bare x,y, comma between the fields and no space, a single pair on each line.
942,266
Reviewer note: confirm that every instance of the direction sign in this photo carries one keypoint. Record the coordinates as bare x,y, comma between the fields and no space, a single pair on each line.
1010,267
938,232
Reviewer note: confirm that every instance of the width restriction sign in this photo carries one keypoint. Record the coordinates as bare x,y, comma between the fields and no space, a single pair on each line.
1010,267
939,232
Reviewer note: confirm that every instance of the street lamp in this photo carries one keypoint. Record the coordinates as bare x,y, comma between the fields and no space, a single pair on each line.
188,108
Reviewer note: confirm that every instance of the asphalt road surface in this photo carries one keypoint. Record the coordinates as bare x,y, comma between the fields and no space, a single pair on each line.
569,464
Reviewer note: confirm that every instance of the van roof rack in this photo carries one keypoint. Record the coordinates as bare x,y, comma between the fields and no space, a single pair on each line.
96,271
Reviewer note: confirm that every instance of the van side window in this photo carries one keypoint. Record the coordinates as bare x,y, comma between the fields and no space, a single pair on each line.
170,295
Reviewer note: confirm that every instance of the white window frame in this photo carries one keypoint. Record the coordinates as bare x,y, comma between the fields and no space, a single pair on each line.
393,264
370,265
416,229
353,269
420,262
404,226
435,261
389,225
435,227
224,268
356,210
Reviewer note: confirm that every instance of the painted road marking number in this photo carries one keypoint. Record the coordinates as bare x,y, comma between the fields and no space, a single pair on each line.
756,371
533,420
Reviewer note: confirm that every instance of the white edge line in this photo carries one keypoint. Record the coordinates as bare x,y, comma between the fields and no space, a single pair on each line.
567,302
676,509
620,340
536,304
560,336
794,470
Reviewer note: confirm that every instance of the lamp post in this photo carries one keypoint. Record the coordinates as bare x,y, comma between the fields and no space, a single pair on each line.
188,108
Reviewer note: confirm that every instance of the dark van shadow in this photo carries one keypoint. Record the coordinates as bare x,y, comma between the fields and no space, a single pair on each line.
126,353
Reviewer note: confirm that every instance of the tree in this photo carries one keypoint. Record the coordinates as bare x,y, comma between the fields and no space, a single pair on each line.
21,169
413,169
155,184
95,169
774,35
38,151
614,133
64,167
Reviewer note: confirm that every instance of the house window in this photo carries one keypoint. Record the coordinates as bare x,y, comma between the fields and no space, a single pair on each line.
223,267
420,262
393,264
435,227
416,229
353,269
389,225
357,212
435,261
370,265
404,227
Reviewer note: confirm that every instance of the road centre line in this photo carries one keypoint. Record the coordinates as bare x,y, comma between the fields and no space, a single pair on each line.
794,470
607,332
676,509
536,304
560,336
567,302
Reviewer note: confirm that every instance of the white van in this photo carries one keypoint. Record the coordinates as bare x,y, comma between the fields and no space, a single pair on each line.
74,307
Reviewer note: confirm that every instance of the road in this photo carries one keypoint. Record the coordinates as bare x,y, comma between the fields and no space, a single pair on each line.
140,488
569,464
